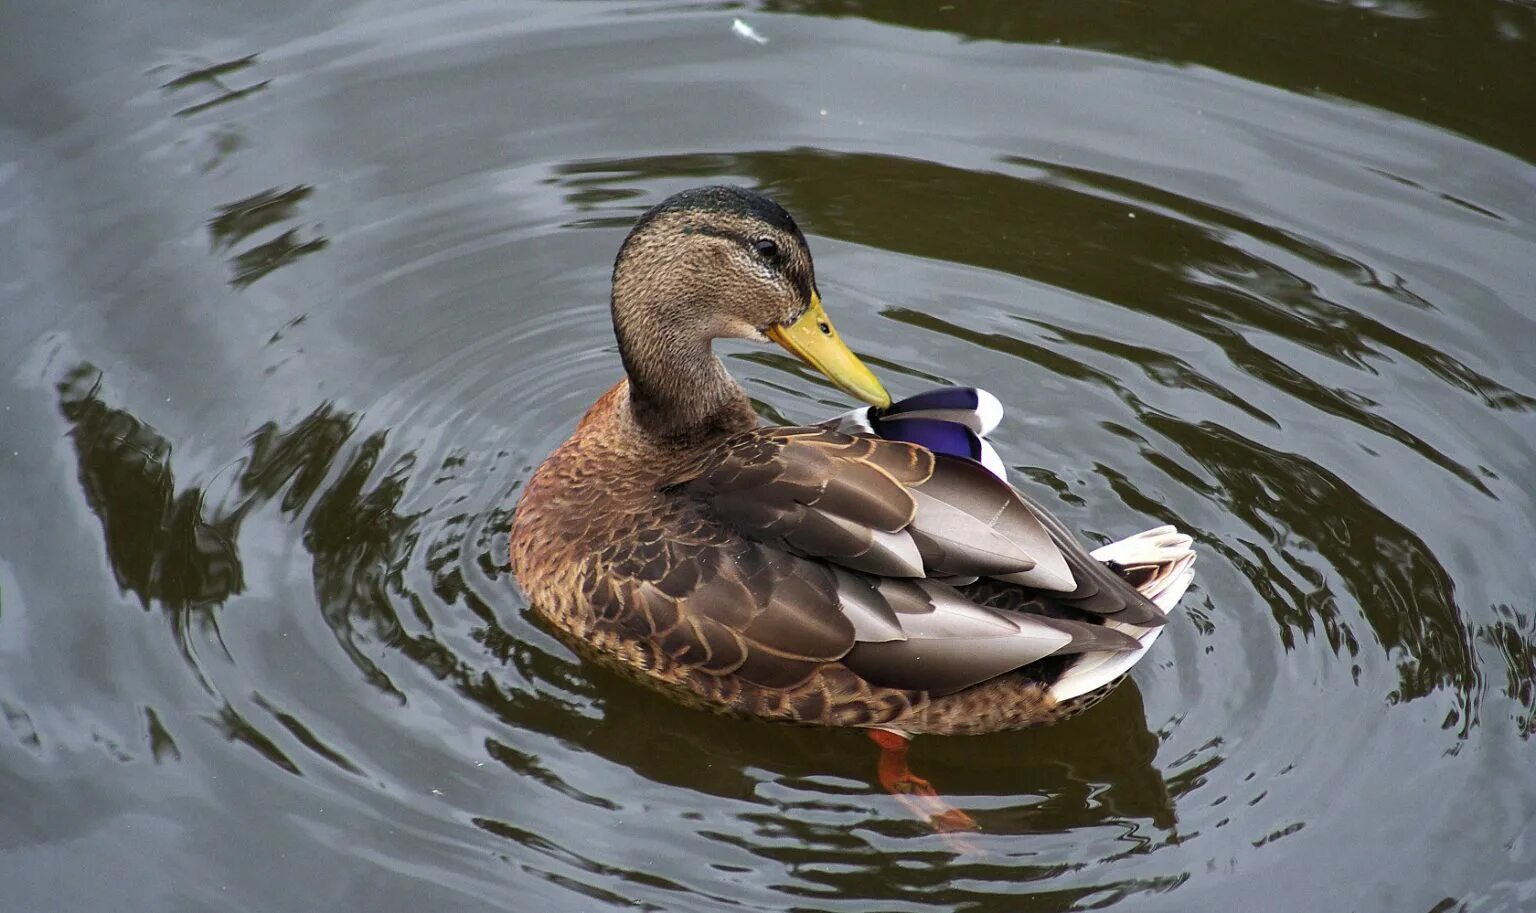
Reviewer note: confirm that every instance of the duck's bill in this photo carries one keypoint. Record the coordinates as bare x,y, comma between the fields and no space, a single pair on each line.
814,340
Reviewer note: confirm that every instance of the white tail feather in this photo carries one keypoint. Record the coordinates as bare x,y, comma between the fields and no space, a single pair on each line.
1169,552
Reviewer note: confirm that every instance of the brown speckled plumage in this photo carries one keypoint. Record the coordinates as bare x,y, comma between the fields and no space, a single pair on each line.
779,572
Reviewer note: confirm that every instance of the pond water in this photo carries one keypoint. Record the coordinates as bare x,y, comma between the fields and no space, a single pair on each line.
293,296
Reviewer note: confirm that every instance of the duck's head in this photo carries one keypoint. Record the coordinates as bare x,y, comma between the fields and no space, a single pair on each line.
722,263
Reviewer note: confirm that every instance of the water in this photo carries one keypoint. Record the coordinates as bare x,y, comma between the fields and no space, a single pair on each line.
296,295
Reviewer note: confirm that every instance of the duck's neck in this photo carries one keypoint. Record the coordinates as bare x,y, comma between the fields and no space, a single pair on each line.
679,391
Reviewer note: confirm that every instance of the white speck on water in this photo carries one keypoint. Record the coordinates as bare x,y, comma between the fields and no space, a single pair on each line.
823,112
748,32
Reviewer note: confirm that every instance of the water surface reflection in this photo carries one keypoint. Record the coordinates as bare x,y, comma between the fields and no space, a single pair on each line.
1262,273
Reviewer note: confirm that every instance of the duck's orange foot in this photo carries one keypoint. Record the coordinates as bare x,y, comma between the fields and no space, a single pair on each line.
917,794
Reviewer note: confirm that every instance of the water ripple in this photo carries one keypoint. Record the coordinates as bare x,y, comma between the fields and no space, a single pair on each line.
272,607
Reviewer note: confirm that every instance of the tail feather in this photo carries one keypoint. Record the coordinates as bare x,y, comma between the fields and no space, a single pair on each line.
1163,559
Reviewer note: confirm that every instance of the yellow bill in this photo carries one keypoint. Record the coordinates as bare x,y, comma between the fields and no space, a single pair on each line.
815,341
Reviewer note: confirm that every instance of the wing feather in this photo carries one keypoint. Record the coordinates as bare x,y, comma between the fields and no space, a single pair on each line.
807,546
952,643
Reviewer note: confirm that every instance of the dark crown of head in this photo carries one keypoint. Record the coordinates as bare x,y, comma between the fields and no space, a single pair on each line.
724,198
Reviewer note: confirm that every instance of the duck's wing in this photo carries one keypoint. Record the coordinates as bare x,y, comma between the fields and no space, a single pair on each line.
954,422
844,543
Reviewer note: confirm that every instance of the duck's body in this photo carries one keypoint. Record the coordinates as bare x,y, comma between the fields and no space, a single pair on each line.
838,574
617,546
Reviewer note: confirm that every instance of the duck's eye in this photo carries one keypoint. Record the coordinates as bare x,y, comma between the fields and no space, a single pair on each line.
767,248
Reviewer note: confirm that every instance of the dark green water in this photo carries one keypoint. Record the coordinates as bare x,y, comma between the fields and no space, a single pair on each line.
293,296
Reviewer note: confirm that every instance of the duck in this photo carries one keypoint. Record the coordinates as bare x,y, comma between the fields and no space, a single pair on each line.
875,571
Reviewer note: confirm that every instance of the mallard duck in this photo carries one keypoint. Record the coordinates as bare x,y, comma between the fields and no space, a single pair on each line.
873,571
